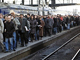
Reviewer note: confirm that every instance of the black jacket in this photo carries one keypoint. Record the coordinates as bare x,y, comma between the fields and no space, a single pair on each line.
33,24
23,23
49,23
55,22
68,20
9,29
58,22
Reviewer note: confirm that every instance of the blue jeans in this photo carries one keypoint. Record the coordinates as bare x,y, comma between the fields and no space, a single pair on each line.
55,29
15,42
62,28
19,38
35,36
7,40
68,27
72,23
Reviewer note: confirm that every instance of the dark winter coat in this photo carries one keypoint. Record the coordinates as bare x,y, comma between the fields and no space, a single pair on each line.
23,23
68,20
77,20
33,24
55,22
9,29
58,22
49,23
38,21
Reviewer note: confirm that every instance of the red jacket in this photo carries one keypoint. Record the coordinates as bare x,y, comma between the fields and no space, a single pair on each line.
61,18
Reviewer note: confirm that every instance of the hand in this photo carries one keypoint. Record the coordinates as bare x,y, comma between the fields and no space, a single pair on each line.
27,30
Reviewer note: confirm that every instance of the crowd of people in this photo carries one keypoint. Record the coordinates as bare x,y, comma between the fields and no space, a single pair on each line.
22,29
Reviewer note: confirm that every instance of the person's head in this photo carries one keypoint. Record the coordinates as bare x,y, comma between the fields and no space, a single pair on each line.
35,16
32,17
44,16
40,18
54,16
65,16
21,15
9,18
77,15
12,14
28,15
49,16
1,16
5,17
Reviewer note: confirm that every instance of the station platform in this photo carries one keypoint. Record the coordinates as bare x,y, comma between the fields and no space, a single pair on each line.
31,47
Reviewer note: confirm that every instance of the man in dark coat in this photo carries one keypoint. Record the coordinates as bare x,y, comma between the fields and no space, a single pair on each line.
77,20
23,30
55,24
49,25
9,29
44,30
59,24
68,20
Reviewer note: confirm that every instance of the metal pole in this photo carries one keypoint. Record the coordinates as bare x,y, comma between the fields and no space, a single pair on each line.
22,2
72,1
38,6
53,3
31,2
46,1
63,1
43,7
2,0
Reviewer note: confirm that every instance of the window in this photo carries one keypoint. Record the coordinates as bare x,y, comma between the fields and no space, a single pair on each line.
76,1
18,1
35,1
27,2
8,1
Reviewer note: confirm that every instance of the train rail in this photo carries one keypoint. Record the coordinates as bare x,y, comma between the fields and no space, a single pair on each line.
75,56
45,58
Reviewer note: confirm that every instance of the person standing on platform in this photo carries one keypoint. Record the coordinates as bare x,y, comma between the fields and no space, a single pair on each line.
58,24
49,25
16,34
45,19
41,26
28,18
77,20
9,29
37,28
68,20
1,32
33,24
23,28
55,25
5,20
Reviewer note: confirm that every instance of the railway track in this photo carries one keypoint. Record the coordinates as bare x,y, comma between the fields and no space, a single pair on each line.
76,56
45,58
60,42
